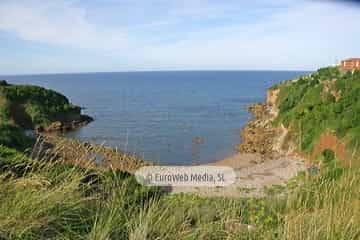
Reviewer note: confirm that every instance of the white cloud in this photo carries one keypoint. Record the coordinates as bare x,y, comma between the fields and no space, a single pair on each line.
305,36
294,35
56,22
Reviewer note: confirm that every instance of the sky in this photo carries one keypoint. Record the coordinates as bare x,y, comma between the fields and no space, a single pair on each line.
60,36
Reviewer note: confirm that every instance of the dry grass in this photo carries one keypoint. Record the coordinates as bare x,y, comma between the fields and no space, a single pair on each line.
43,199
331,210
89,155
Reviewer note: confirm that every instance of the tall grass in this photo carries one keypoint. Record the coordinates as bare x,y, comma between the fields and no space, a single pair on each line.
328,209
36,206
44,199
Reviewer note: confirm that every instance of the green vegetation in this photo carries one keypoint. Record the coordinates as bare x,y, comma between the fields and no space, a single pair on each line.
25,107
327,100
45,200
13,136
34,104
3,83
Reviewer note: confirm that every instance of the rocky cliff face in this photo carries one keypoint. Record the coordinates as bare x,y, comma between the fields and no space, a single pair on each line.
259,136
27,107
308,116
67,121
271,96
70,123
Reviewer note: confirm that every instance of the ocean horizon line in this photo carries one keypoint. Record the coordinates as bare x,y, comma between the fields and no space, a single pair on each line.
152,71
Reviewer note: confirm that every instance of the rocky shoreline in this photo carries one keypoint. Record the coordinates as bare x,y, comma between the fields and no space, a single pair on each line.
259,136
261,161
68,121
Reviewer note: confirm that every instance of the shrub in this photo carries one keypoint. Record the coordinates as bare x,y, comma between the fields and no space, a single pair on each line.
27,106
3,83
41,104
13,136
329,155
304,109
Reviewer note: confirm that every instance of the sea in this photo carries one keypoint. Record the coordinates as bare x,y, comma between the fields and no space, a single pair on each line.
168,117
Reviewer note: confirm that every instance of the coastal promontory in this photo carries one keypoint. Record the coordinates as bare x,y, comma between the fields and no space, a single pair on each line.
34,108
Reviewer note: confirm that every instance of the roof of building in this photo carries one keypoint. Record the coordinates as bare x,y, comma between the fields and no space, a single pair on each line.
352,59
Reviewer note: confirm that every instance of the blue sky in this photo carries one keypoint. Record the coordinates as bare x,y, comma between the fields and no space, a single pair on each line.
51,36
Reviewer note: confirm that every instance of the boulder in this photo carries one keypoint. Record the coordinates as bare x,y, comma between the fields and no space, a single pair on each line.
198,140
55,126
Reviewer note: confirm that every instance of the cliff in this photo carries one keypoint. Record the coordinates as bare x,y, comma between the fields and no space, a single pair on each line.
25,107
259,135
309,115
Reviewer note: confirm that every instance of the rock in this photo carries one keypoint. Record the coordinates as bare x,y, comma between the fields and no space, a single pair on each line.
55,126
258,109
258,135
66,125
272,96
198,140
86,118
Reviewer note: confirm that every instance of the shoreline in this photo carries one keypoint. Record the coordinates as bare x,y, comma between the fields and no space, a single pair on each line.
252,179
260,162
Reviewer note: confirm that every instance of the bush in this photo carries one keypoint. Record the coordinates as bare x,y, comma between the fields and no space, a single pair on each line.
328,155
3,83
304,107
15,137
42,105
27,106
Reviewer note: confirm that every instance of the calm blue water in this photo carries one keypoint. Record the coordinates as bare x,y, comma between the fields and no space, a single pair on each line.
157,114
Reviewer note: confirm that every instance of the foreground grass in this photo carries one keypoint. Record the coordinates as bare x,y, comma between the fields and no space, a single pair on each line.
46,200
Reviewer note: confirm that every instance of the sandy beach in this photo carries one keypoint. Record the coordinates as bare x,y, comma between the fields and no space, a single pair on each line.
261,161
253,175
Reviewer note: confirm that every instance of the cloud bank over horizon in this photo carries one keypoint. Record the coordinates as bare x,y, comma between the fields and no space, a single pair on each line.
123,35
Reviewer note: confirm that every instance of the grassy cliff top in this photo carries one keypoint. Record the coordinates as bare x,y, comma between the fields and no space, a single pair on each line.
25,107
327,100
